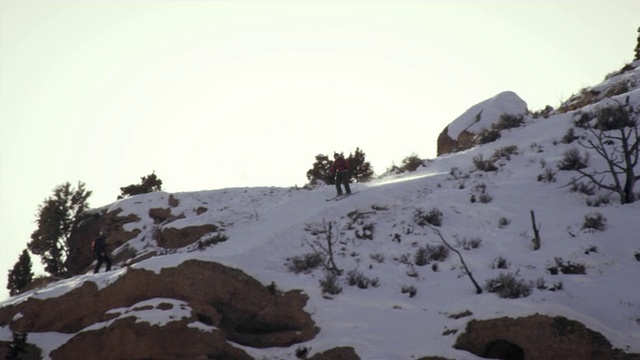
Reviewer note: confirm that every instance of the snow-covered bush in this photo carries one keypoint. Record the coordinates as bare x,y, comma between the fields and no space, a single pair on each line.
357,278
547,176
424,218
305,263
483,165
594,222
500,263
573,160
426,254
409,289
504,152
509,121
568,268
507,286
330,284
469,244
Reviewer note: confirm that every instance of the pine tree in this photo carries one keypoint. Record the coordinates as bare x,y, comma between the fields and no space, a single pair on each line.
411,163
638,47
17,346
57,218
361,170
149,183
21,275
321,170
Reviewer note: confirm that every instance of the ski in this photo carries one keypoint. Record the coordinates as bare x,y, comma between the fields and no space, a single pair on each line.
340,197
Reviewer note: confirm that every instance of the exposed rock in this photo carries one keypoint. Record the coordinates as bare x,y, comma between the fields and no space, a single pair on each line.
536,337
201,210
462,132
81,255
173,202
339,353
244,311
159,215
126,339
172,238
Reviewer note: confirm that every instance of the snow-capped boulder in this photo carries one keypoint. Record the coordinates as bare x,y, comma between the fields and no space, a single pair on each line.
460,133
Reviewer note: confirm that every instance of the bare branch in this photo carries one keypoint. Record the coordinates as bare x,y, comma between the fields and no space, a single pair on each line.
466,269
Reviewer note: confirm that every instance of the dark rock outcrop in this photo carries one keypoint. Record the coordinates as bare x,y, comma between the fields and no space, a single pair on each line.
235,306
80,253
536,337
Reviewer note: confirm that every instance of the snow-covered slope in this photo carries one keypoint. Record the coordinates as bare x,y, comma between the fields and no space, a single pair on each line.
267,226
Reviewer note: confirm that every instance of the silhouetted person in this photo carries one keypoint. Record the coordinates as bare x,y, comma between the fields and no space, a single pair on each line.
100,250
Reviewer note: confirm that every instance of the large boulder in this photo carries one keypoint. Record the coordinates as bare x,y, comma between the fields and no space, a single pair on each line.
461,133
536,337
223,303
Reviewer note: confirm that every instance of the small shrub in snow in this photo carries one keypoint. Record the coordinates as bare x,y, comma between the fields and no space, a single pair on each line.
377,257
547,176
410,290
480,194
591,249
583,188
366,232
582,120
573,160
504,152
302,352
487,136
432,217
507,286
305,263
600,200
457,174
594,222
483,165
536,148
330,283
469,244
438,252
508,121
569,137
567,268
426,254
503,222
614,118
542,285
357,278
500,263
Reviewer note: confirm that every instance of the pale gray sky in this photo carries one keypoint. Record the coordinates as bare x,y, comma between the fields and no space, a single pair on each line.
213,94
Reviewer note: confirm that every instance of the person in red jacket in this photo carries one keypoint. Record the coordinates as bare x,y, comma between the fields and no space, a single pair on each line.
340,169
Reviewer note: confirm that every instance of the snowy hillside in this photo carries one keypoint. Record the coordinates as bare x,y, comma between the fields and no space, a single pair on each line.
406,310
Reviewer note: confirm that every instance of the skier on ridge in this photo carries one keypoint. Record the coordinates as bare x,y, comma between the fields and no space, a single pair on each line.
340,169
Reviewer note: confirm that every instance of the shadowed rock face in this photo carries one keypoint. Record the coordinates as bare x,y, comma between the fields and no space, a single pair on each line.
226,302
80,253
536,337
447,145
